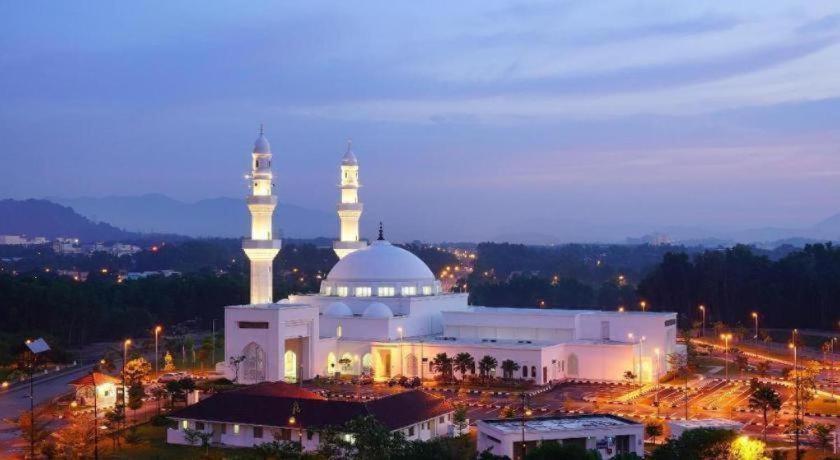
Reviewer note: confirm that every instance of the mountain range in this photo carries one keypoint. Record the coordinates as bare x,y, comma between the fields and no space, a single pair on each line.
214,217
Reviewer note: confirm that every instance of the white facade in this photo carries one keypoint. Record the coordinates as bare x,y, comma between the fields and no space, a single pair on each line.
607,434
381,311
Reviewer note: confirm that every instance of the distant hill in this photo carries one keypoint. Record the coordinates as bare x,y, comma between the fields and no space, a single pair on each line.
51,220
216,217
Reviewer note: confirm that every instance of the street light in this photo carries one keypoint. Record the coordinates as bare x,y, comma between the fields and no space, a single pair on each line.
157,332
36,347
755,317
656,397
125,358
703,330
643,304
726,338
525,412
792,345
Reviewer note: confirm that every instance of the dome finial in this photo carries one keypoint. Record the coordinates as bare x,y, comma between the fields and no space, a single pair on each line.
349,145
261,129
381,233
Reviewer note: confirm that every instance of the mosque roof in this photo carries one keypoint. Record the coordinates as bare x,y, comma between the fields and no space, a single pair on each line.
381,261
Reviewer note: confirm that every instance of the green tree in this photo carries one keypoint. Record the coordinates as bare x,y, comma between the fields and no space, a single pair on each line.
135,397
697,444
765,398
486,366
822,434
762,368
136,370
653,429
464,362
280,450
509,367
442,364
368,439
37,431
551,450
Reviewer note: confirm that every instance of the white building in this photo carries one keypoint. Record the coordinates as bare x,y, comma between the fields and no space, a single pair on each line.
349,207
608,434
264,412
381,311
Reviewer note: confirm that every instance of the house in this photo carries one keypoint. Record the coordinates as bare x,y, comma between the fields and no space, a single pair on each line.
106,390
277,410
608,434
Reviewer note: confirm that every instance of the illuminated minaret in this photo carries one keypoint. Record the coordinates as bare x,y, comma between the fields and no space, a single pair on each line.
261,247
349,208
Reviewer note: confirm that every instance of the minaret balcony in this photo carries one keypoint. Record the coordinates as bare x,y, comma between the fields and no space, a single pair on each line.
264,200
248,243
350,207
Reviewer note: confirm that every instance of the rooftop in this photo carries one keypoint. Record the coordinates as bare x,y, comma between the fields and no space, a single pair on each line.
706,423
99,378
272,403
554,424
563,311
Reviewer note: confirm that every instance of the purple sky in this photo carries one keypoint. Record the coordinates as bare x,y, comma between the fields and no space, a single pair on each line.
469,119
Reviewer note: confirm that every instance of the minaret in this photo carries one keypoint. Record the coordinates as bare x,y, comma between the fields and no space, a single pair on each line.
261,247
349,208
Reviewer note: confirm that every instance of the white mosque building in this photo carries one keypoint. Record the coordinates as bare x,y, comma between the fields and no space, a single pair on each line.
381,311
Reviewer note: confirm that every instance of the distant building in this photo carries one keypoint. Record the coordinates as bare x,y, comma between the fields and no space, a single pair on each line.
608,434
146,274
267,411
21,240
116,249
67,246
75,274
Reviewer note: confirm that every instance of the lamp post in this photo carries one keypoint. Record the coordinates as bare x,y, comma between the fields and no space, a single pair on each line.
525,412
213,353
643,305
755,317
157,332
703,312
36,347
402,361
726,338
796,420
95,422
125,358
656,397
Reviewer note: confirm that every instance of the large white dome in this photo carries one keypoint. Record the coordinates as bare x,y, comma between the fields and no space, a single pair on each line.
380,261
338,309
377,310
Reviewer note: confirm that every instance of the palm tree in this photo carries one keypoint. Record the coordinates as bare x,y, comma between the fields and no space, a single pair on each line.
486,365
463,362
443,365
764,397
509,367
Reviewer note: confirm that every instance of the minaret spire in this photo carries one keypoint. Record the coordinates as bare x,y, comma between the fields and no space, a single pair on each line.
381,233
349,207
261,248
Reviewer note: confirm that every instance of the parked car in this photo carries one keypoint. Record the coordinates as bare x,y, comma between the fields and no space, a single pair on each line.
172,377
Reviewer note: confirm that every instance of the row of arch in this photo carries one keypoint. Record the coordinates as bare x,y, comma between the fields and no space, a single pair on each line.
349,363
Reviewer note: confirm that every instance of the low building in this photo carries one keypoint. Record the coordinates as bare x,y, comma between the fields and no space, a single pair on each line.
276,410
105,390
677,427
608,434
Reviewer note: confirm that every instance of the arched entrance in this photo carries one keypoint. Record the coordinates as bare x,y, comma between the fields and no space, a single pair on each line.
367,364
572,365
411,366
332,364
347,364
290,366
253,368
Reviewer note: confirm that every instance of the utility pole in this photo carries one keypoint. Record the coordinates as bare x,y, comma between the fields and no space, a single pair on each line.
797,421
35,348
213,353
95,422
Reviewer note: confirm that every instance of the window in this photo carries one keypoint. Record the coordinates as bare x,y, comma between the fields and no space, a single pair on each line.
258,432
533,372
327,290
440,419
308,435
524,372
408,291
235,429
257,164
363,291
385,291
411,431
427,290
185,424
252,325
341,291
199,426
223,428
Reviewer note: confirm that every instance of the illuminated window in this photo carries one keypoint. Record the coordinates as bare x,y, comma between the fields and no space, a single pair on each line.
327,290
385,291
185,424
363,291
427,290
235,429
408,291
341,291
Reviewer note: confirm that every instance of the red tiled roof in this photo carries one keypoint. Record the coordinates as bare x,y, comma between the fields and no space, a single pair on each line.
271,404
99,378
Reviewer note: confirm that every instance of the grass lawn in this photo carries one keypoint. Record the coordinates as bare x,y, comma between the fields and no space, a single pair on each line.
153,445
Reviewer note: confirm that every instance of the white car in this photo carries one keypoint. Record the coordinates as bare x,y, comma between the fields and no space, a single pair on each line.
172,377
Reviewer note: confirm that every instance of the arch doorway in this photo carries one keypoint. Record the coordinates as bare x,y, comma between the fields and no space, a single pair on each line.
347,364
332,364
411,365
572,365
253,368
290,366
367,364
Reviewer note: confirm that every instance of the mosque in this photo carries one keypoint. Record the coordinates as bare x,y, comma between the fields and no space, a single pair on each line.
380,311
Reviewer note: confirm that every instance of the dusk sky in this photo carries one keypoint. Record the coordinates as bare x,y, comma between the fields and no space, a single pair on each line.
469,119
